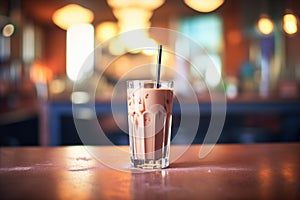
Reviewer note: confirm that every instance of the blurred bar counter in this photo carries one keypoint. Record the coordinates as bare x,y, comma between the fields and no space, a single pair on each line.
249,119
19,121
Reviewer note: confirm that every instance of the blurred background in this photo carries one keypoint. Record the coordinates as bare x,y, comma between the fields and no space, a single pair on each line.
254,45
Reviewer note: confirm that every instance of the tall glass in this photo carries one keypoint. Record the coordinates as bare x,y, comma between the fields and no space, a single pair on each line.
149,119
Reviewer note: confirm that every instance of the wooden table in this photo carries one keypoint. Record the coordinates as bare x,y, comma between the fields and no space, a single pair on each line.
253,171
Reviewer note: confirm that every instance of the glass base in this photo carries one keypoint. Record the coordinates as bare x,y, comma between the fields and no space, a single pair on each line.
150,164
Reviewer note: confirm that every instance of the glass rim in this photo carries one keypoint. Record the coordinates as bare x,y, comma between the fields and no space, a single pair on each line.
149,81
150,84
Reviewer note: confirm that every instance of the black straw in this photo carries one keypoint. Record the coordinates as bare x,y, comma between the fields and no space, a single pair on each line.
158,66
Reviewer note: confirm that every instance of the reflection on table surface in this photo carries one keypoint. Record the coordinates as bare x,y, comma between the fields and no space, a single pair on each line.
256,171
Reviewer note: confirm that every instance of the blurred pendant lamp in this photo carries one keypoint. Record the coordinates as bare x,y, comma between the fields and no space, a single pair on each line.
265,25
134,15
290,23
204,5
106,30
76,20
72,14
290,20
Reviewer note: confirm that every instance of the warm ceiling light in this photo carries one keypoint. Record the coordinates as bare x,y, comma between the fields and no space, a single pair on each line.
141,18
265,25
145,4
72,14
8,30
106,30
290,24
133,14
204,5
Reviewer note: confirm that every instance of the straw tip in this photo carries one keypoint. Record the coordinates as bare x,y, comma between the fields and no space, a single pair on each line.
158,66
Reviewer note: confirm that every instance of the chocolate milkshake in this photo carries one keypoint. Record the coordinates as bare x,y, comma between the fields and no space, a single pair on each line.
149,119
